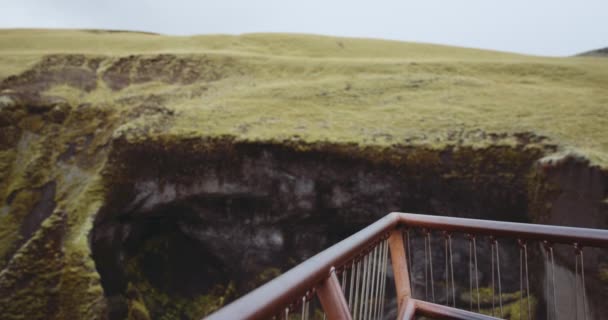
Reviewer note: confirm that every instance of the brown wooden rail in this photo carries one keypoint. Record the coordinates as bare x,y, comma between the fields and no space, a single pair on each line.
318,272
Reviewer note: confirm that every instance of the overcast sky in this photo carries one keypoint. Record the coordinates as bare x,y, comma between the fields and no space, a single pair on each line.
543,27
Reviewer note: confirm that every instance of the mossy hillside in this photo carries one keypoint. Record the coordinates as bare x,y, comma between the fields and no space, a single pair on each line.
50,275
369,92
71,99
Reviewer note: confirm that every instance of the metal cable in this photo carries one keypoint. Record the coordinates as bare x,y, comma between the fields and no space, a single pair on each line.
470,274
365,285
492,267
447,278
381,280
431,267
359,289
350,289
343,284
554,284
376,284
409,261
370,261
521,283
576,283
372,282
357,285
527,281
476,274
385,270
583,284
426,273
382,276
452,271
378,280
551,310
498,276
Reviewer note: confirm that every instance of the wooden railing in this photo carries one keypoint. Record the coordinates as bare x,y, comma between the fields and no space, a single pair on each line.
348,280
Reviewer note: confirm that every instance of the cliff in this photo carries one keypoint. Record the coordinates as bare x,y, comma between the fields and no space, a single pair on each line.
148,176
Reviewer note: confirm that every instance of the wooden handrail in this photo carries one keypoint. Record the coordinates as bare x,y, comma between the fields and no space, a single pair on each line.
525,231
271,298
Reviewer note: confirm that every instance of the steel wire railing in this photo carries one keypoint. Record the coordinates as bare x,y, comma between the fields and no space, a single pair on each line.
349,279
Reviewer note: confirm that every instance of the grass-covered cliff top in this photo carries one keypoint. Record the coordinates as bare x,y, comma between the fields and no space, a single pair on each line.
316,88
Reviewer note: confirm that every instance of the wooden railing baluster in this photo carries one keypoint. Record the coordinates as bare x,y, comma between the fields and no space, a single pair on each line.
400,269
331,298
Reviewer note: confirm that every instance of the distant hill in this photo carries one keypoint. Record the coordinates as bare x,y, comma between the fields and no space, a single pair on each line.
603,52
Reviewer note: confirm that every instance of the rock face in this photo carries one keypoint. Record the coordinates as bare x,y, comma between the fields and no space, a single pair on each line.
163,185
237,211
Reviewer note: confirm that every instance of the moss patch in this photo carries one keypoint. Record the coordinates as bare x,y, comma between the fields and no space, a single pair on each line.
146,301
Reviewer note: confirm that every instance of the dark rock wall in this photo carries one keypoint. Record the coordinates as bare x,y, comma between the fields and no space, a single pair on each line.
577,197
229,212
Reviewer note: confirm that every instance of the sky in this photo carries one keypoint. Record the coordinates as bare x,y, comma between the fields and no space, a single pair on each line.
539,27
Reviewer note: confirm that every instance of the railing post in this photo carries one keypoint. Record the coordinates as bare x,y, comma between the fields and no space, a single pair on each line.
331,298
402,278
408,311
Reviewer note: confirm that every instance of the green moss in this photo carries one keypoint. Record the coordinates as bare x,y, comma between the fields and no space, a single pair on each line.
9,235
7,157
485,296
518,309
160,305
22,203
31,279
511,303
50,275
268,274
138,311
144,298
